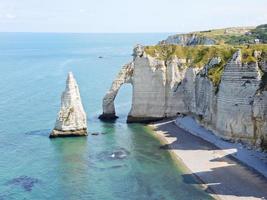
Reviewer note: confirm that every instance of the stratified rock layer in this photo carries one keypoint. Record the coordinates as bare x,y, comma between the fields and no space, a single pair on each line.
71,120
234,109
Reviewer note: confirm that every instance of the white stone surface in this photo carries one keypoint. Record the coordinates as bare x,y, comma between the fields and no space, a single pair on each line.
71,118
238,86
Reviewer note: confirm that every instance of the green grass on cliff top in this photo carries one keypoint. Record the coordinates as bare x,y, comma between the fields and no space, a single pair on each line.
198,56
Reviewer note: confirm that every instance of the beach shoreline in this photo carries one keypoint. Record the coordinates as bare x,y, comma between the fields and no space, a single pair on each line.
178,161
218,169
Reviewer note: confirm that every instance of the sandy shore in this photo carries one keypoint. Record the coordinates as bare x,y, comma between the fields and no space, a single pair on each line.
223,175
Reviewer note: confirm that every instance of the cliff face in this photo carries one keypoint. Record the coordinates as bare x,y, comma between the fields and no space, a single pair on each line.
260,119
232,102
235,98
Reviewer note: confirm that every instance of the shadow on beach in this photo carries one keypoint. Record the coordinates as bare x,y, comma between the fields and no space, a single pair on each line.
226,176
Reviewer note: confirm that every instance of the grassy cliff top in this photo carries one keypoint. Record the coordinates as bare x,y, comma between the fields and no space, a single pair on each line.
198,56
238,35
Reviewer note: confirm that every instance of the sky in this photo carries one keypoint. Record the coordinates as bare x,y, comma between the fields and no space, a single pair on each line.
121,16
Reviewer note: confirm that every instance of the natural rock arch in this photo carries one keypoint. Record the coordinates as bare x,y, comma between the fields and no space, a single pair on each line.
124,76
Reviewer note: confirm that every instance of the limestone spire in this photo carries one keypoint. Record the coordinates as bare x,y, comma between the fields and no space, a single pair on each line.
71,120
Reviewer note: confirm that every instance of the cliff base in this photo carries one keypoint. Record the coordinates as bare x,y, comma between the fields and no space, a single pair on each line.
108,117
71,133
145,120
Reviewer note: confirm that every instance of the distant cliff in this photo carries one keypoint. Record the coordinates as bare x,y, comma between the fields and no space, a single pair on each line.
223,86
233,36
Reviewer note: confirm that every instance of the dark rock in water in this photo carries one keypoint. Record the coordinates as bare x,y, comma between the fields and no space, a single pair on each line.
25,182
108,117
98,133
100,56
109,168
117,166
164,147
44,132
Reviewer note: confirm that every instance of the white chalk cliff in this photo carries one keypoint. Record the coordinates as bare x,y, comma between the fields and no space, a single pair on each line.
71,120
235,109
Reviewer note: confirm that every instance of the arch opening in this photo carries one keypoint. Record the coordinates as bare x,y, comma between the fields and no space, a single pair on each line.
124,76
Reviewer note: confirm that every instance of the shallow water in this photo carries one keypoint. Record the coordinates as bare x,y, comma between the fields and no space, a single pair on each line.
121,162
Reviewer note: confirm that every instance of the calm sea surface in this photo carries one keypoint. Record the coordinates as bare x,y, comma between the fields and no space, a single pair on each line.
123,162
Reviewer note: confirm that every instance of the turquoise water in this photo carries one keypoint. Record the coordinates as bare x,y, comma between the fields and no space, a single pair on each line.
122,162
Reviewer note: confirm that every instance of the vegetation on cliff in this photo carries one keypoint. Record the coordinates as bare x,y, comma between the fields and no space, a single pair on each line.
199,56
196,56
237,36
215,74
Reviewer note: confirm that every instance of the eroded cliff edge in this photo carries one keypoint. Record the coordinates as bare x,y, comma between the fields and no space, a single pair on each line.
223,86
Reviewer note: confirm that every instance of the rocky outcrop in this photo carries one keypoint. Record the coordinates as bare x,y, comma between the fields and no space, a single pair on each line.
188,40
71,120
235,109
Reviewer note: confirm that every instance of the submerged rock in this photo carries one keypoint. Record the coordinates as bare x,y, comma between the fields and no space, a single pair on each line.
71,120
117,154
25,182
43,132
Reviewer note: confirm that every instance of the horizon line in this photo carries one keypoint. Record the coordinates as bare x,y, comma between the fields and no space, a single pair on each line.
136,32
87,32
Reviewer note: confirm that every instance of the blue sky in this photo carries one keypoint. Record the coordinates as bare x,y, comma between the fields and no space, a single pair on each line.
128,15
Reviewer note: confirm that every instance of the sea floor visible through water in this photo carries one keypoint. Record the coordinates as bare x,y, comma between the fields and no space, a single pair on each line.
122,161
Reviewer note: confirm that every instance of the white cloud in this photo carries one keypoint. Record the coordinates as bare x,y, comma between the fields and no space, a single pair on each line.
10,16
82,11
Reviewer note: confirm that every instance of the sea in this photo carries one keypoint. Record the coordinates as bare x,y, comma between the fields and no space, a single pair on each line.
117,161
